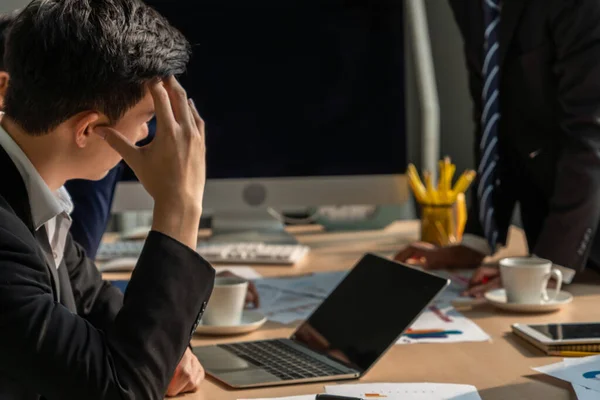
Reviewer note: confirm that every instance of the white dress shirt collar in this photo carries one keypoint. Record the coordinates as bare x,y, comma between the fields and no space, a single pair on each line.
45,204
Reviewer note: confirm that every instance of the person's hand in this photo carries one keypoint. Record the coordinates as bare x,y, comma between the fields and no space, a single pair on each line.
172,167
432,257
188,375
484,279
488,278
252,296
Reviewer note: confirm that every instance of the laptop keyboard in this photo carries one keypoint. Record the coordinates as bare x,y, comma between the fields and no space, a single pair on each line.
281,360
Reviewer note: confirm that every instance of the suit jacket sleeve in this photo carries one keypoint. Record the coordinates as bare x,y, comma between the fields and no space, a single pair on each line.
97,301
61,355
575,203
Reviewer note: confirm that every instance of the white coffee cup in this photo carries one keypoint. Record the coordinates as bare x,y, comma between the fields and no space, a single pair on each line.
525,280
226,303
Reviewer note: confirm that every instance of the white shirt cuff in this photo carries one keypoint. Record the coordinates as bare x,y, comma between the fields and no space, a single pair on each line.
476,243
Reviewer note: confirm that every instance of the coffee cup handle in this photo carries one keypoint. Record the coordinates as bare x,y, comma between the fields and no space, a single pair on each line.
557,274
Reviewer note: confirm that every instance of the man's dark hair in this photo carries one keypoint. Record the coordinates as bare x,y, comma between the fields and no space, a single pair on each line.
68,56
5,20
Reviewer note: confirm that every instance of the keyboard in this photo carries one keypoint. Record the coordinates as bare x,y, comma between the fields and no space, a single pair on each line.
247,253
281,360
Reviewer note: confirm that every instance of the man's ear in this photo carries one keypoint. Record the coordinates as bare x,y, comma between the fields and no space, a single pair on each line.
3,83
83,125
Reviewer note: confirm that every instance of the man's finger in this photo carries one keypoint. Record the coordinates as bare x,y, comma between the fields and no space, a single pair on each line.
479,290
119,143
482,274
405,254
179,101
176,385
193,380
252,295
162,107
197,118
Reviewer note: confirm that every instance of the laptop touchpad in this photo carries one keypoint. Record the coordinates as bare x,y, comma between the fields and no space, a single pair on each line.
231,368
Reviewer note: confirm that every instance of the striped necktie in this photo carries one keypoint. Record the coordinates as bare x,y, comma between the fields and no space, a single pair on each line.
490,118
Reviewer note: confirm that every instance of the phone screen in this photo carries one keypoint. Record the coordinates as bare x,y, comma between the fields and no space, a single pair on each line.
569,331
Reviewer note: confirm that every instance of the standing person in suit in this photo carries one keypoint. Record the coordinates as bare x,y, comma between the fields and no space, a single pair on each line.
534,76
85,77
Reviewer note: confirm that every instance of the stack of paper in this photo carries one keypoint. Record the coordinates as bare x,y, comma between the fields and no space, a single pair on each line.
583,373
406,391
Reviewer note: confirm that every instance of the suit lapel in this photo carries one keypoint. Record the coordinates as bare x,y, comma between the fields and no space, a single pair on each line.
509,19
14,192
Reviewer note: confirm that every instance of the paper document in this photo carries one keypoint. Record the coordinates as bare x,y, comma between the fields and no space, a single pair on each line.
317,285
284,307
286,300
307,397
583,371
584,393
459,282
446,326
406,391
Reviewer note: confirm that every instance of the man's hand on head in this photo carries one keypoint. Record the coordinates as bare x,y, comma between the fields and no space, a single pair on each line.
188,375
172,168
432,257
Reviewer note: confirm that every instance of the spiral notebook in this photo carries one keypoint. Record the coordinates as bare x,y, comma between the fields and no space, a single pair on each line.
555,347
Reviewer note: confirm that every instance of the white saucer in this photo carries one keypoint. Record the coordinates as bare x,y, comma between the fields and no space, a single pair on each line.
498,298
251,321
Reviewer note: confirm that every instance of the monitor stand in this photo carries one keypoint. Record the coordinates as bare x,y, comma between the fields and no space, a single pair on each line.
249,226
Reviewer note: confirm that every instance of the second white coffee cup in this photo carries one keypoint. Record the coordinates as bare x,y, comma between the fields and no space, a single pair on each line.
525,279
226,303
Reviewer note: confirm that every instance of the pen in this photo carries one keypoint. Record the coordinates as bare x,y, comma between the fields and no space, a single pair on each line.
422,331
433,335
334,397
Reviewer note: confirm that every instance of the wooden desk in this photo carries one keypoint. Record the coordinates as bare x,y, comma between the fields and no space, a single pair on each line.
501,370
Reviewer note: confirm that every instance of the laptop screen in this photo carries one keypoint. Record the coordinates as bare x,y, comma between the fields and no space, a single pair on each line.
368,311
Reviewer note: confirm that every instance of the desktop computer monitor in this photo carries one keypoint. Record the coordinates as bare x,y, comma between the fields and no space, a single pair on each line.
304,103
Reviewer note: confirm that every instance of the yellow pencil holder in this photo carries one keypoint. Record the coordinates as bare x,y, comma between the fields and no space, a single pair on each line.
439,224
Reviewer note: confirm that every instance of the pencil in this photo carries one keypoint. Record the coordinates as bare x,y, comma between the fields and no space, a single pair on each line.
431,192
461,215
464,182
572,353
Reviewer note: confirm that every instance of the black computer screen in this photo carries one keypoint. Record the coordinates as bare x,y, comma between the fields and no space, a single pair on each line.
369,309
296,87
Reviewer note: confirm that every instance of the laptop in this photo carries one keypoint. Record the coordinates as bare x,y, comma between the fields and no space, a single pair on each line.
343,338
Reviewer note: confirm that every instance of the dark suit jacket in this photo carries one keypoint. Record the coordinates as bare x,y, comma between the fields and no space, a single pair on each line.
66,334
549,134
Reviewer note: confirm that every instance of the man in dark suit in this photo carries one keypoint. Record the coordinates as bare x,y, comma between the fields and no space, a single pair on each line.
534,76
86,76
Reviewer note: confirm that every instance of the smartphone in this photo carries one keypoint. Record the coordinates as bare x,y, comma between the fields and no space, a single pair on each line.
571,333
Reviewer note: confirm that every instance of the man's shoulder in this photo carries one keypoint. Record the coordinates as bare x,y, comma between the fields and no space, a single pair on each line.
11,226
